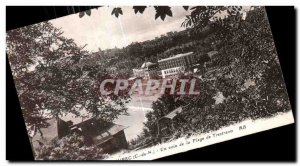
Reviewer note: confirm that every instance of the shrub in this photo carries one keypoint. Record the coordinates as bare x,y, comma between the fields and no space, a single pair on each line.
70,148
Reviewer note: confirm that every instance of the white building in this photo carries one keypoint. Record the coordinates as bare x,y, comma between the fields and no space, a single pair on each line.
176,64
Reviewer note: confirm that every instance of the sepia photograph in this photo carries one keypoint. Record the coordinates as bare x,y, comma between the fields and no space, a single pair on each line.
145,82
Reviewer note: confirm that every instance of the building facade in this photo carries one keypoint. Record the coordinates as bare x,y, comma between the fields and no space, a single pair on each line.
176,64
173,66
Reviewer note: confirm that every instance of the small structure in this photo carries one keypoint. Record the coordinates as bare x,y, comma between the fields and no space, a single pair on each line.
146,65
204,61
148,70
211,54
107,135
165,125
138,73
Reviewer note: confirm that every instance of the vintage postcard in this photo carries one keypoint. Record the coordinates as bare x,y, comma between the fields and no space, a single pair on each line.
144,82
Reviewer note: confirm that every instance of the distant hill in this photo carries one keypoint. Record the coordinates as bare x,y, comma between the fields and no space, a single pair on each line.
134,55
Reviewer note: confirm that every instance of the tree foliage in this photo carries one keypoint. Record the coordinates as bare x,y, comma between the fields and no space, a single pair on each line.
246,73
52,78
161,11
117,11
139,9
71,147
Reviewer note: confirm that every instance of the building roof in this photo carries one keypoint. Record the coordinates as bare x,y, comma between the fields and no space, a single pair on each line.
212,53
173,114
103,131
176,56
131,78
108,134
146,65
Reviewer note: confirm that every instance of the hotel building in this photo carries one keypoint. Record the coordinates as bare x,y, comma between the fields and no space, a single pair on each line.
174,65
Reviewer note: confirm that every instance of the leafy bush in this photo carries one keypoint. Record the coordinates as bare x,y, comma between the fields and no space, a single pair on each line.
70,148
247,54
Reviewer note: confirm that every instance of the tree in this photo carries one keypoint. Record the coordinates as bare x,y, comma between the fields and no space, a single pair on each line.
247,43
164,105
52,79
247,74
71,147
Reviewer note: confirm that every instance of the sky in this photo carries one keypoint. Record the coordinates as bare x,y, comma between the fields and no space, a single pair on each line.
103,30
